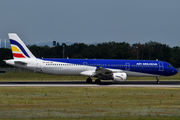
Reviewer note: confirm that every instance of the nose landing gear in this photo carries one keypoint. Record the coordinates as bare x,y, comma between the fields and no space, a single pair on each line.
157,82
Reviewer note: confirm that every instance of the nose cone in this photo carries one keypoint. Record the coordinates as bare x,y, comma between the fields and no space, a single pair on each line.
174,71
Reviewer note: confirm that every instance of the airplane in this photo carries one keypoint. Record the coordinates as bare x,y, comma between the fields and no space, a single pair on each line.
108,69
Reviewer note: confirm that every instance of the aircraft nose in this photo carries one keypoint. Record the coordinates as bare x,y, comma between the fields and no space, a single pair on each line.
175,71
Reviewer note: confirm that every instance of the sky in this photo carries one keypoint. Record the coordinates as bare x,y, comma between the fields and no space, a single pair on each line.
91,21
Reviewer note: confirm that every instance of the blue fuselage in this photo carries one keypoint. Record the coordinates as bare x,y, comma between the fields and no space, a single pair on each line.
152,67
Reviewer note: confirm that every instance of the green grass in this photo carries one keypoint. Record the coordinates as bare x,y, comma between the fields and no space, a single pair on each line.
32,76
89,103
104,103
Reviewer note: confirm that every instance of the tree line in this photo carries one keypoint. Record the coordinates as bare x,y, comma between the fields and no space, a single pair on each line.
107,50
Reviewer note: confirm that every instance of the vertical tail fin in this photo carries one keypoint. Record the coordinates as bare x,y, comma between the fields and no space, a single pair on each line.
18,48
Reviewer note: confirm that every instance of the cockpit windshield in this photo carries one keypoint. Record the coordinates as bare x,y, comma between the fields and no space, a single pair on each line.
169,66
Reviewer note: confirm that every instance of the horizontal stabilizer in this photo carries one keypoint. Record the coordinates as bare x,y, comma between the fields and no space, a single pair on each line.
20,63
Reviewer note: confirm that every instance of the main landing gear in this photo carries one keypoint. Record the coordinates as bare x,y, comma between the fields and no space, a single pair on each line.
89,80
157,82
97,81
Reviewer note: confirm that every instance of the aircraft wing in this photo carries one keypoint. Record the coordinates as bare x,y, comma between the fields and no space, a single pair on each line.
87,73
106,71
101,71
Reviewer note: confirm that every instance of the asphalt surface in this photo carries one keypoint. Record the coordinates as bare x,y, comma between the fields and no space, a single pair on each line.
168,84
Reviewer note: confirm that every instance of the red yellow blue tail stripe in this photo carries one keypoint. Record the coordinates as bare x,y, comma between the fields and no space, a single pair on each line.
17,55
16,50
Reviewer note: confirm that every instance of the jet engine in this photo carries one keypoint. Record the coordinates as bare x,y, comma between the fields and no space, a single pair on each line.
118,77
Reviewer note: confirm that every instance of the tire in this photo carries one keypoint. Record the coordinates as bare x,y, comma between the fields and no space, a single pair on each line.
97,81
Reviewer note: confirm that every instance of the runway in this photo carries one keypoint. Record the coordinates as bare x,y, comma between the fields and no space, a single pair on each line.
164,84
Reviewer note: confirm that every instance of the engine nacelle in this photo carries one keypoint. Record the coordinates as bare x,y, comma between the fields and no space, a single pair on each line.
119,77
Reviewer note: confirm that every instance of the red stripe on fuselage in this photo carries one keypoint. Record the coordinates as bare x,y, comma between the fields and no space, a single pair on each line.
18,55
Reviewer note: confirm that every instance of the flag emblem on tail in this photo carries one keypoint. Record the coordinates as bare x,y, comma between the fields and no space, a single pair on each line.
17,50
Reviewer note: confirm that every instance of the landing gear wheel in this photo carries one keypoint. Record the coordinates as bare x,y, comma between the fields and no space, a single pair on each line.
97,81
89,80
157,82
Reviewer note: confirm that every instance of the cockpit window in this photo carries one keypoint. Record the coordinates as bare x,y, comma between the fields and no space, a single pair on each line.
169,65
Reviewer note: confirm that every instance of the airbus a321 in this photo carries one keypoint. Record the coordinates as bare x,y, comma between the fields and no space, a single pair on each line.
116,70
